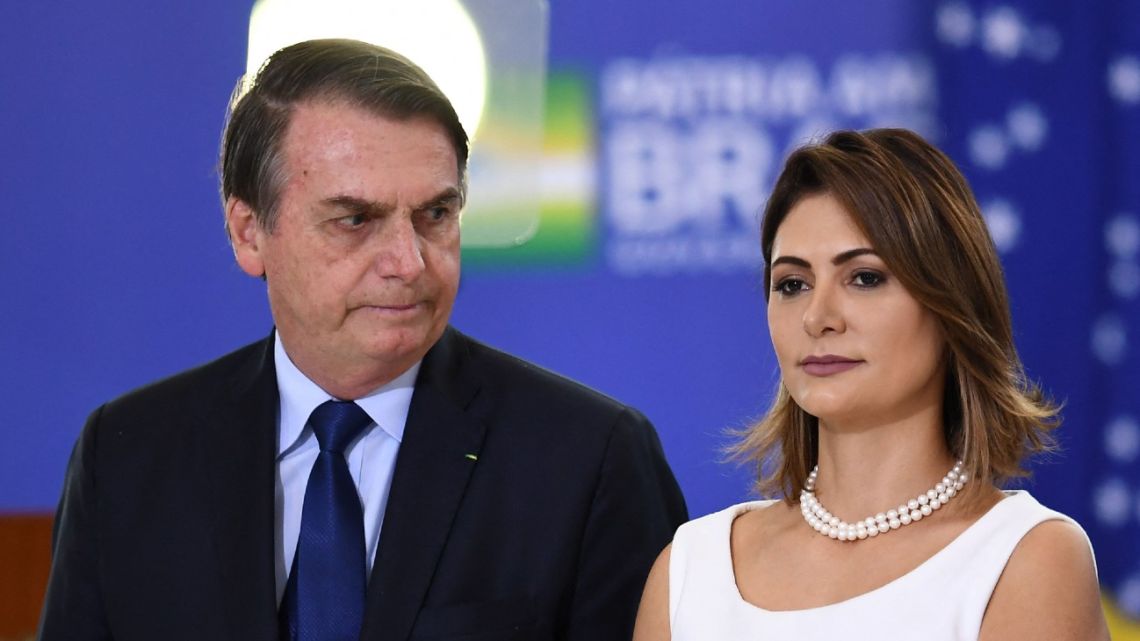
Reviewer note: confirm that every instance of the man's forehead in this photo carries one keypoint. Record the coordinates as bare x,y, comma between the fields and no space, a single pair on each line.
341,129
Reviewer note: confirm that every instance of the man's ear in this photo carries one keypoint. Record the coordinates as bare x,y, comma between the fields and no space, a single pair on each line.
245,237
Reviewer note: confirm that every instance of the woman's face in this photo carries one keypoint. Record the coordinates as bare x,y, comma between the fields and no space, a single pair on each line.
855,348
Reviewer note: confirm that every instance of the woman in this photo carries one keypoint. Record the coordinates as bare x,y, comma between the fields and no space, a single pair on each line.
902,406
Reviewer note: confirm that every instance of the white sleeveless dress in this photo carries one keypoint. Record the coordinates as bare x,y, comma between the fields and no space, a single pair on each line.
944,598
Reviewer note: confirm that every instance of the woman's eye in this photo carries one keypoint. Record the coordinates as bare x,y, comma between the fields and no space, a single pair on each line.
867,279
790,286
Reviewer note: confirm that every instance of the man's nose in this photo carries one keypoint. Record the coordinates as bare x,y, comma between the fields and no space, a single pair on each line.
824,312
399,253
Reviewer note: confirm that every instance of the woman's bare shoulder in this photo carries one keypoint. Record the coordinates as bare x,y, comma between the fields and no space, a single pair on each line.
1048,589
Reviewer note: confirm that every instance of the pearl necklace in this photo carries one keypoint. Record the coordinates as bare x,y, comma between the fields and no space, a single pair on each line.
912,511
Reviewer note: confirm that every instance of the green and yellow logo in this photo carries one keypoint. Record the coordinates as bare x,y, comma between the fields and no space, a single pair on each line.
546,216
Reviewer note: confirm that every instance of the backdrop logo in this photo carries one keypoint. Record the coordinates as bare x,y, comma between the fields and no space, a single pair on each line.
562,230
691,146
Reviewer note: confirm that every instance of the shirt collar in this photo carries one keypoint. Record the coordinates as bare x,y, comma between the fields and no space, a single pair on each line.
387,406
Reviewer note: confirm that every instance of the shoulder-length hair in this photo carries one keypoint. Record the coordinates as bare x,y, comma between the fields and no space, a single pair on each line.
920,216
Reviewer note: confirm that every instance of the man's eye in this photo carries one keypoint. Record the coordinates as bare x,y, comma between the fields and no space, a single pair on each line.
438,213
789,286
353,221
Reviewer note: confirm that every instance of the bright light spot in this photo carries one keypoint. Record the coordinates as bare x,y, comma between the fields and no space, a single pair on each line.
1128,596
1027,126
955,24
1112,502
438,35
1004,223
988,147
1124,79
1122,439
1044,43
1122,236
1003,33
1109,339
1124,279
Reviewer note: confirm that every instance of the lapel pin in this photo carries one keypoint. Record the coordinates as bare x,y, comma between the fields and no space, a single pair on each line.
471,456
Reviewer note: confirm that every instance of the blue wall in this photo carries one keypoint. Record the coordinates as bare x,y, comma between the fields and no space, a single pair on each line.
116,270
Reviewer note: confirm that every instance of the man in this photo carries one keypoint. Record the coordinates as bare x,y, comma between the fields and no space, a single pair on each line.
464,494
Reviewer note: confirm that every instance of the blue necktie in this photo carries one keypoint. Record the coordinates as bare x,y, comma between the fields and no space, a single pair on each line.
324,598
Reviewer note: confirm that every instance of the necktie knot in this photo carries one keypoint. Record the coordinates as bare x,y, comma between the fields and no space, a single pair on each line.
336,423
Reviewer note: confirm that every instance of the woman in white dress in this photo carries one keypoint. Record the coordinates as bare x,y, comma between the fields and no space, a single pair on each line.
902,408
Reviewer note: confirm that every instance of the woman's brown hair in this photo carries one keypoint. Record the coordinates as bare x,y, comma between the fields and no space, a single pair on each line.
915,208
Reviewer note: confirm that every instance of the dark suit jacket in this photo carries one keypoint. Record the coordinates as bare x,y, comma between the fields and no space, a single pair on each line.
166,526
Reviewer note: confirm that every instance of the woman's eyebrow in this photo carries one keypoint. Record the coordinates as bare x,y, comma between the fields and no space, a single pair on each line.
843,257
839,259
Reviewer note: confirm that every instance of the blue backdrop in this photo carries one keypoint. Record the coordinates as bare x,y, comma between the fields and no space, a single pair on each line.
116,270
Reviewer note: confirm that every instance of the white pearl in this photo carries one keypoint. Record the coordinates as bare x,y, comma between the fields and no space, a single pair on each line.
819,519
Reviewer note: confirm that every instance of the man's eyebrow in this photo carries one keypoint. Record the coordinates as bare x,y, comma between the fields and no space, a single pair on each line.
359,205
839,258
376,208
445,197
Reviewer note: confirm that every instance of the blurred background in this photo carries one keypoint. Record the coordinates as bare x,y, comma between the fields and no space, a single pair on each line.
623,152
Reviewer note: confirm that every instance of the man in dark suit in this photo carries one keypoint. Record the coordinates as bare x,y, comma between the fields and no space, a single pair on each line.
366,471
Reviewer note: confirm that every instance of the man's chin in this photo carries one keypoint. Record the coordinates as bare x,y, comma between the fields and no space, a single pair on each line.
401,345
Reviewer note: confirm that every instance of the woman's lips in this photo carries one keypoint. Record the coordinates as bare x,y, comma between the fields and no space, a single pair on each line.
828,365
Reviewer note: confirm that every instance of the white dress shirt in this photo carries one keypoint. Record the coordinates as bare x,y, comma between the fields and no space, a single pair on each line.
371,456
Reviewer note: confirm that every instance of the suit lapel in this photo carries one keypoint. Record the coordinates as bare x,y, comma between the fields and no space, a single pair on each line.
431,475
238,460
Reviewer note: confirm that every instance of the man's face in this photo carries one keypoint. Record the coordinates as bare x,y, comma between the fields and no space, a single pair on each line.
362,265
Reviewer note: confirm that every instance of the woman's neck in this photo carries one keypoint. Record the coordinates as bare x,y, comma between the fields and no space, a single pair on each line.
864,470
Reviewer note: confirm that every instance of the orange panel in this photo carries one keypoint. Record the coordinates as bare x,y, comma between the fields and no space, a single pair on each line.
25,556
